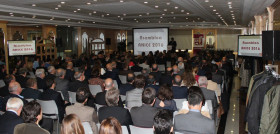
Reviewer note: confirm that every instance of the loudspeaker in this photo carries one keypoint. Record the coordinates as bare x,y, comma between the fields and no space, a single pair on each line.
108,41
271,45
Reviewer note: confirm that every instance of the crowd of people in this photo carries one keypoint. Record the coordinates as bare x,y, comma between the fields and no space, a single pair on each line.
149,92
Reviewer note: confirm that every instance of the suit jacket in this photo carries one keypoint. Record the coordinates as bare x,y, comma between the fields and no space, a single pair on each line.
8,121
85,113
75,85
210,95
180,92
156,87
125,87
4,91
21,80
134,98
143,116
6,98
217,78
50,94
50,76
62,85
29,128
30,93
100,99
69,75
194,123
166,79
120,113
41,83
157,75
113,75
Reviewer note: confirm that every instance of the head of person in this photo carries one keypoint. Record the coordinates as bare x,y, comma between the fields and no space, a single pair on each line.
114,64
51,70
22,71
32,83
195,100
9,78
154,68
109,67
69,65
175,69
151,79
82,95
95,73
112,97
110,125
108,83
202,81
79,76
40,73
180,59
172,39
71,124
181,65
163,122
188,79
32,112
14,104
50,83
196,89
60,73
177,80
165,93
148,96
130,78
15,88
139,81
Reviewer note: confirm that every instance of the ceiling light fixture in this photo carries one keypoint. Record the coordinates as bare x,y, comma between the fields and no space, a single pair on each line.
146,2
78,9
206,0
156,6
148,21
93,22
211,6
62,2
58,5
167,3
121,1
148,13
187,18
172,12
140,15
182,11
94,11
229,3
88,3
11,13
214,10
163,14
75,11
176,7
165,10
188,13
56,8
108,14
102,15
34,5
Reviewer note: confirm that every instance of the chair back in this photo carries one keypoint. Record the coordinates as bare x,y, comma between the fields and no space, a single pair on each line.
179,103
94,89
122,78
209,105
116,84
2,83
123,97
72,97
49,108
30,99
87,128
124,130
139,130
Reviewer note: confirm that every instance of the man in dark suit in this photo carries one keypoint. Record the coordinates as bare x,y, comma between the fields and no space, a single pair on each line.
155,72
194,121
40,77
21,78
173,43
129,85
216,77
51,94
111,74
151,82
179,92
113,110
11,117
31,91
4,91
62,84
69,72
78,82
166,79
100,97
51,71
143,116
15,91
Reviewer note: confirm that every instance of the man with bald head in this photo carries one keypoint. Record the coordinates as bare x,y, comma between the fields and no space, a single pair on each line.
69,72
129,85
100,97
111,74
179,92
155,72
15,91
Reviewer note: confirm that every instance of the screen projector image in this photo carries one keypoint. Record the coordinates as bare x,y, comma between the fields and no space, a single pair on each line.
152,39
250,45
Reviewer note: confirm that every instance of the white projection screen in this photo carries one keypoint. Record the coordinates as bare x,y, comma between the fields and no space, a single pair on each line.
250,45
150,39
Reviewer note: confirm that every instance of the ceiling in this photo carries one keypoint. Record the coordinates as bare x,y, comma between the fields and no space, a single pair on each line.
127,14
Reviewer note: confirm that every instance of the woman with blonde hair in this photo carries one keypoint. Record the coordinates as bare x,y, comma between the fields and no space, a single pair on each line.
110,125
71,124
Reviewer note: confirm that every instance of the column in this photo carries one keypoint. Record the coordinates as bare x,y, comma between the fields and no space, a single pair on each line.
253,27
263,23
3,26
257,24
270,17
79,38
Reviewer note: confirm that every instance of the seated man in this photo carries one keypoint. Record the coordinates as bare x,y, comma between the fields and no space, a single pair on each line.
85,113
128,86
11,117
111,74
31,91
166,79
21,78
40,76
113,110
143,116
179,92
163,122
194,121
151,82
134,97
155,72
78,82
62,84
51,94
51,71
4,91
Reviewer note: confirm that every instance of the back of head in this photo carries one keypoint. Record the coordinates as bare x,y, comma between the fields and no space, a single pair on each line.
195,89
163,122
49,82
130,77
22,71
95,73
112,97
139,81
195,98
9,78
82,94
151,79
30,111
14,87
60,72
14,104
39,72
71,124
148,95
110,125
69,65
78,75
165,93
177,80
51,69
109,83
202,81
31,82
154,67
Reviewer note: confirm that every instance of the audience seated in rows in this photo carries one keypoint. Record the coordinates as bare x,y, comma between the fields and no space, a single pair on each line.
163,122
155,72
51,73
110,125
69,73
111,74
165,99
151,82
78,82
4,91
31,92
96,80
166,78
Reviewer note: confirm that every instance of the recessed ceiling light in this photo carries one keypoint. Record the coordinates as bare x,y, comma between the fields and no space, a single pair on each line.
56,8
217,13
176,7
140,15
148,13
124,14
135,19
102,15
78,9
88,3
75,11
58,5
148,21
229,3
79,22
93,22
182,10
172,12
11,15
231,11
34,5
230,7
167,3
211,5
160,17
198,18
69,19
68,26
89,13
62,2
108,14
165,10
121,0
188,13
119,16
206,0
94,11
163,14
146,2
156,6
174,17
214,10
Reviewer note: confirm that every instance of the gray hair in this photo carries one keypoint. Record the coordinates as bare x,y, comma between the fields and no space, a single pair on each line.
78,75
202,81
50,69
60,72
14,103
13,86
39,72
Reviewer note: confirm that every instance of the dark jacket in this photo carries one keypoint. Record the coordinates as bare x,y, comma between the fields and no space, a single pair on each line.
69,75
21,80
75,85
113,75
8,121
41,83
100,99
143,116
157,75
165,79
120,113
28,93
4,91
125,87
180,92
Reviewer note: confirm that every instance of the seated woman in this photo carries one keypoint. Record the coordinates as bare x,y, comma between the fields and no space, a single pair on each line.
71,124
165,99
110,126
31,114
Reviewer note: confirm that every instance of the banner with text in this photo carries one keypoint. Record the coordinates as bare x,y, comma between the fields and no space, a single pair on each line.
250,45
21,47
153,39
